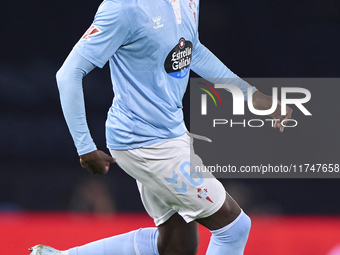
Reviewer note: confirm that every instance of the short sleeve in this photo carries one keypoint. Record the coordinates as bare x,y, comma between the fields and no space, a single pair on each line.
109,31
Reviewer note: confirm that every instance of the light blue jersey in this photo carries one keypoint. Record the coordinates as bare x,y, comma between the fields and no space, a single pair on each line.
151,47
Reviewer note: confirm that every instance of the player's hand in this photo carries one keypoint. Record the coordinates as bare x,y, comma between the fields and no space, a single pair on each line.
281,118
264,102
96,162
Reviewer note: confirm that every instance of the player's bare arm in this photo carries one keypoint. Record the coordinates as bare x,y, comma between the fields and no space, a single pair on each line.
264,102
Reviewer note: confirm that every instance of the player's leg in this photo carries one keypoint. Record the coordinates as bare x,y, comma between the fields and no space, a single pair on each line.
138,242
159,187
175,235
229,211
229,225
142,242
166,192
178,237
172,237
169,181
230,228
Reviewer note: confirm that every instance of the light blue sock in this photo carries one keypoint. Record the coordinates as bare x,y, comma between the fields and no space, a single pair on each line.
231,239
138,242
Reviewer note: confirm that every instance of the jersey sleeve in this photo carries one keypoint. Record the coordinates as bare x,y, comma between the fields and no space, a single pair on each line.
69,80
208,66
109,30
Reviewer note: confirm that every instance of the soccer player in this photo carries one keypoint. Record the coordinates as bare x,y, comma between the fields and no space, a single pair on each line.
151,45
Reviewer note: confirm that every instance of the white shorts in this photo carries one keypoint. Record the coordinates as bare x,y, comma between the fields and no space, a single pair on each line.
167,180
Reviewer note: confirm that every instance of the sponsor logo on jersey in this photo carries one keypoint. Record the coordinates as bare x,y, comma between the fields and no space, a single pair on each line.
92,31
178,61
157,21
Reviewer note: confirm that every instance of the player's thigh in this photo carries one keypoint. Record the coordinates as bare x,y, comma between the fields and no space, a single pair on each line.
178,237
225,215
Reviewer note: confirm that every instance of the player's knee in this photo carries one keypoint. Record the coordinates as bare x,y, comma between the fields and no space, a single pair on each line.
237,233
175,247
178,250
190,248
232,238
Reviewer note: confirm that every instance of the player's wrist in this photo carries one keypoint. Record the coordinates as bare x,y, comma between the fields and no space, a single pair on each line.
88,156
261,101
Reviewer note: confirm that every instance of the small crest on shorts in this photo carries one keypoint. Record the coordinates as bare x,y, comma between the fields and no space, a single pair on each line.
93,30
203,193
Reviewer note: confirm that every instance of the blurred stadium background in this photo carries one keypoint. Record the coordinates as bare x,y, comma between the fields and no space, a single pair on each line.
47,197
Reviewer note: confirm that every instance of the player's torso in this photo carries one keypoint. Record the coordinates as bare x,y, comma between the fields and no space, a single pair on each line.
150,72
160,28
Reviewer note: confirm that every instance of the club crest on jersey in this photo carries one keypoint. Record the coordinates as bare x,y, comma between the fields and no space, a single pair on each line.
178,60
92,31
181,43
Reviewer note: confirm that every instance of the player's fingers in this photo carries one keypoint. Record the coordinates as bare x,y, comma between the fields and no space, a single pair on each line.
106,169
289,113
107,158
286,118
87,167
99,164
102,168
110,159
82,163
284,121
